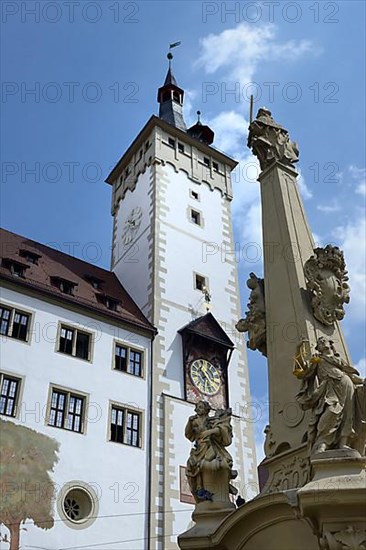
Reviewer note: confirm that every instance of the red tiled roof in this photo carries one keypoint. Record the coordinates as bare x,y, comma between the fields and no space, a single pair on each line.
53,264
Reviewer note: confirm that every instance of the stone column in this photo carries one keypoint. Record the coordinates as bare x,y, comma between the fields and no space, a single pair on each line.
289,316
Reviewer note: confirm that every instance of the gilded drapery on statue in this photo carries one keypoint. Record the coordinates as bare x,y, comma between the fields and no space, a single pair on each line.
209,466
335,394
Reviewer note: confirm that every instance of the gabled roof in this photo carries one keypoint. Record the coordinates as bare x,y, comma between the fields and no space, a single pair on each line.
53,264
207,327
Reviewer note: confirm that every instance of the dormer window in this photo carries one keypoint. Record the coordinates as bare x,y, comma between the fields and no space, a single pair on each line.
94,281
65,286
111,303
30,257
17,269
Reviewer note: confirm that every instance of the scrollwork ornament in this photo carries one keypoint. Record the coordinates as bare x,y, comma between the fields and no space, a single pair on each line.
349,538
326,280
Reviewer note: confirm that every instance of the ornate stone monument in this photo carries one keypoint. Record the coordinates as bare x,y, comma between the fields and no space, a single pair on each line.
313,482
209,466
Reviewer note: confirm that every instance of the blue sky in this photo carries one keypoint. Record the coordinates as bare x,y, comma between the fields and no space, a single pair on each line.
95,68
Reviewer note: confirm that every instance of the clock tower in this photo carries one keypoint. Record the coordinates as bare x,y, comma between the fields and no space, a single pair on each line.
173,249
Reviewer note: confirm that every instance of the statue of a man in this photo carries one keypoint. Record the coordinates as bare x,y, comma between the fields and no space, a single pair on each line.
270,141
255,321
330,387
209,467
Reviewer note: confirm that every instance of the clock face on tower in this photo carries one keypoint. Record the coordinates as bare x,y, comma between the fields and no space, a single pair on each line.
205,377
132,225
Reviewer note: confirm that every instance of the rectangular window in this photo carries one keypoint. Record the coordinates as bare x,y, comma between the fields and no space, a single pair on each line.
128,360
20,326
67,410
125,426
180,147
120,358
200,282
133,429
135,363
14,323
215,167
206,161
195,217
194,195
171,142
5,321
117,425
9,393
74,342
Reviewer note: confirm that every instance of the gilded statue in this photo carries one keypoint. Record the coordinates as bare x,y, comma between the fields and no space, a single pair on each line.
335,394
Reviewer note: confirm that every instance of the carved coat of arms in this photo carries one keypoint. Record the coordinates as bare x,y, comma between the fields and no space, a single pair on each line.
326,280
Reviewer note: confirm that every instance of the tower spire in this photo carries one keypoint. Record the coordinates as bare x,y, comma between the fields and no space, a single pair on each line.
170,99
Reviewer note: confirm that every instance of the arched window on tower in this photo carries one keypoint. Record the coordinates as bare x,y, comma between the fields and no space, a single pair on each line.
166,96
176,96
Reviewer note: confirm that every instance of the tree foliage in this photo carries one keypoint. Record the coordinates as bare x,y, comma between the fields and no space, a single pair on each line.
27,491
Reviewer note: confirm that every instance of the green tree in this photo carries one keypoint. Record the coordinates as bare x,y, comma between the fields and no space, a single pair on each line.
26,488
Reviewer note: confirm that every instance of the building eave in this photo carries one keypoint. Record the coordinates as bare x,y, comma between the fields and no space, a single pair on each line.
184,136
27,287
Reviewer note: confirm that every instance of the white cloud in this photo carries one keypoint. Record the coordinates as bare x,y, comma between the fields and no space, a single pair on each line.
352,237
189,100
361,367
304,189
359,175
231,129
332,206
239,50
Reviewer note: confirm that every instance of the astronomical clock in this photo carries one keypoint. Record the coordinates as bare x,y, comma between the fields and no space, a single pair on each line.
206,355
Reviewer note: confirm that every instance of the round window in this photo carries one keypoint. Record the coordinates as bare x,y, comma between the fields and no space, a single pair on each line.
78,504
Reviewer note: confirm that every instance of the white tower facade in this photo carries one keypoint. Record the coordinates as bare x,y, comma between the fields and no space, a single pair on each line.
173,249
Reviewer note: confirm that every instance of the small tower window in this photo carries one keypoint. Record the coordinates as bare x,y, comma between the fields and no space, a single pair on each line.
166,96
194,195
176,97
206,161
195,217
200,282
215,167
180,147
171,142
